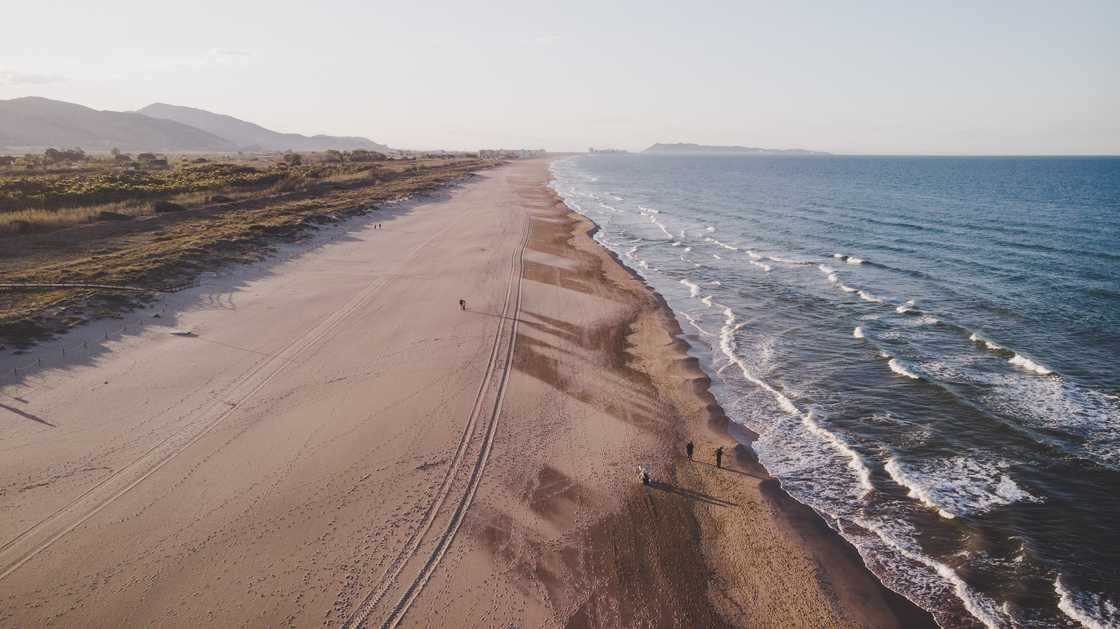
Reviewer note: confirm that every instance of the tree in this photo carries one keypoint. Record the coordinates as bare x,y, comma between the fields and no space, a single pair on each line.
332,156
293,159
360,155
55,156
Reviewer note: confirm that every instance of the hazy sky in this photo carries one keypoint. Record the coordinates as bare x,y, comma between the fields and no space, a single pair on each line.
854,77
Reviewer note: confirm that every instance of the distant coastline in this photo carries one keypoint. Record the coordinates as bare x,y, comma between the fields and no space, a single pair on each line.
684,147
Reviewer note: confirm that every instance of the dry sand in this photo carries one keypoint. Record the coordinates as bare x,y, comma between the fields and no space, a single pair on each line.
338,443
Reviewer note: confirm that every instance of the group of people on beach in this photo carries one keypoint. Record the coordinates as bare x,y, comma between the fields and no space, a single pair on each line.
689,448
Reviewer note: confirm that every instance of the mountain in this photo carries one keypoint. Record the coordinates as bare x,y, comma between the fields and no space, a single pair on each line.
34,122
681,147
249,136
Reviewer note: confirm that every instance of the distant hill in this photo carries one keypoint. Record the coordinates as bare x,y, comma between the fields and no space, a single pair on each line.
33,122
249,136
742,150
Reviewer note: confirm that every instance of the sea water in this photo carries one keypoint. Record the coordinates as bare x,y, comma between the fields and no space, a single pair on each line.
928,349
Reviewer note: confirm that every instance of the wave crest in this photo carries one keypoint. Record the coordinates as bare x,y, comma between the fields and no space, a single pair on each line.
901,369
1028,364
1091,610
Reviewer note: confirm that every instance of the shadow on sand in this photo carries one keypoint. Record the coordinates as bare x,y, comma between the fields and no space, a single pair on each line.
690,494
733,470
27,415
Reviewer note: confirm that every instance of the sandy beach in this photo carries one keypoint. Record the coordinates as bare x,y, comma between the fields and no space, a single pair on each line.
327,439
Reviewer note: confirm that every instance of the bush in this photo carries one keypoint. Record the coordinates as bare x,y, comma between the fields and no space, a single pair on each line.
161,207
104,186
359,155
55,156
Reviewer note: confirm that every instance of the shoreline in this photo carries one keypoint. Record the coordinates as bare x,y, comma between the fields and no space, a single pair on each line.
334,417
836,560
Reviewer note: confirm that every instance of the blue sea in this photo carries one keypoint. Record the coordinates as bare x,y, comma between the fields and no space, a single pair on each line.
927,348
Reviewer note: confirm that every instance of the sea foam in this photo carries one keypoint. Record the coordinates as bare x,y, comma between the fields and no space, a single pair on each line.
722,244
858,332
727,345
1029,365
1091,610
692,321
981,607
959,486
915,490
902,369
992,345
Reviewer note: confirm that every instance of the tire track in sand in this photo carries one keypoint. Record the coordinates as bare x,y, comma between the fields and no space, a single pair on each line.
22,548
512,303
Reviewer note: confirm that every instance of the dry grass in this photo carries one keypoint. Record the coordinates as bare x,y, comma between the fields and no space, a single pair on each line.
166,251
41,220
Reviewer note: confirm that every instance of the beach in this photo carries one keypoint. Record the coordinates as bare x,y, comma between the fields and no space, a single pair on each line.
327,438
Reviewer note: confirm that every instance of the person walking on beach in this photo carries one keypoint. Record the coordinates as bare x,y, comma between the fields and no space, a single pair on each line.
462,304
643,475
719,457
688,449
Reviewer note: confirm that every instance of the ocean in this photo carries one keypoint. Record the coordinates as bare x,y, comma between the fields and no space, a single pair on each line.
927,348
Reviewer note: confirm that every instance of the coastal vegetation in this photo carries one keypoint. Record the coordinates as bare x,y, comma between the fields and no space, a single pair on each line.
93,225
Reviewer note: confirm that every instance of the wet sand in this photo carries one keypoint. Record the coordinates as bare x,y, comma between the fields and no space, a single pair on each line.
337,443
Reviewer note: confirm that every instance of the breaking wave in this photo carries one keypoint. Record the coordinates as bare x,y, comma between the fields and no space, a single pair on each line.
866,296
1093,611
854,261
1028,364
902,369
693,289
958,486
727,346
722,244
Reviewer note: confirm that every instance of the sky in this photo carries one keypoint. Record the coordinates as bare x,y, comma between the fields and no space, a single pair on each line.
955,78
